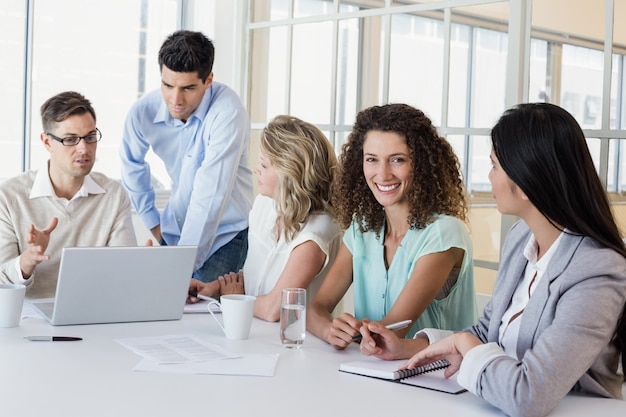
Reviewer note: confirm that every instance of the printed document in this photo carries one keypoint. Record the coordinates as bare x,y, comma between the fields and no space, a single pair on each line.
192,355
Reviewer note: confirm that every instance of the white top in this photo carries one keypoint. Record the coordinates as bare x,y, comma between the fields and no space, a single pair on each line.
267,258
509,330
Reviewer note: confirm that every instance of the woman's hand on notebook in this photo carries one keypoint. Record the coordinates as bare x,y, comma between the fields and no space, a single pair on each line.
452,348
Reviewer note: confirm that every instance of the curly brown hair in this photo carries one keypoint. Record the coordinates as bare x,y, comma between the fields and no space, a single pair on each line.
437,186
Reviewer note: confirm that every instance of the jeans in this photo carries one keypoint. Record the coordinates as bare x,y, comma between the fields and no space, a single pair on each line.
228,258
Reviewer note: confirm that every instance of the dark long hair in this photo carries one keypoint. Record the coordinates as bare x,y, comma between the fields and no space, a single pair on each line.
535,141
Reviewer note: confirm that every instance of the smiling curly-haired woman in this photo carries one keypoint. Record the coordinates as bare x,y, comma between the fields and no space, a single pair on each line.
399,196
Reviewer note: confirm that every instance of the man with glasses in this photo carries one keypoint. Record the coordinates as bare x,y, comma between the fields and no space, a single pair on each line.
200,130
62,205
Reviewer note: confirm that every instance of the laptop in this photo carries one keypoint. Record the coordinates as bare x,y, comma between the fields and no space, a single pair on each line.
120,284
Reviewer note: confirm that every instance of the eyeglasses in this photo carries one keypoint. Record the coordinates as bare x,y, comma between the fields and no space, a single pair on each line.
92,137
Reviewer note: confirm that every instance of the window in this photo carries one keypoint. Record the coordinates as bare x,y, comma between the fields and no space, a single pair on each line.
108,56
324,64
325,60
12,27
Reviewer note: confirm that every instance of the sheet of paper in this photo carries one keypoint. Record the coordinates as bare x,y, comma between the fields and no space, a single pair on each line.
178,348
251,365
28,311
200,307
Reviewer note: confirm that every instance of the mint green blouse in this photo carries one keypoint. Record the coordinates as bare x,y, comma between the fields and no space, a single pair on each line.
377,288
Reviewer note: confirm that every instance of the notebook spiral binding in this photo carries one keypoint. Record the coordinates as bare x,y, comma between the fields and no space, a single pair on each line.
405,373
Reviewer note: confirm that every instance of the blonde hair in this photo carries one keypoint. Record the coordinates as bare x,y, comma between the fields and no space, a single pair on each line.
305,163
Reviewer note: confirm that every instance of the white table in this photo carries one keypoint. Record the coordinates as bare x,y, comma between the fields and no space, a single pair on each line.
94,378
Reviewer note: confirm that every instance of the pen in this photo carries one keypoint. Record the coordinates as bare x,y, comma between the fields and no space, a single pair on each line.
393,326
52,338
200,296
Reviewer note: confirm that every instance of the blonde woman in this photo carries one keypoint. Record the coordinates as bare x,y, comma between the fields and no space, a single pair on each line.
293,238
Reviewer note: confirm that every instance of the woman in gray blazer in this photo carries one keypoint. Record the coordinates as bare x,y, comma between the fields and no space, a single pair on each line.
556,322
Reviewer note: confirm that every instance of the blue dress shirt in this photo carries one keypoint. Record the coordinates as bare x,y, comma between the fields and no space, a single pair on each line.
207,160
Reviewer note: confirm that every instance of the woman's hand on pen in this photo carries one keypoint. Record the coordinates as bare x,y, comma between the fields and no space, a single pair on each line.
379,341
385,344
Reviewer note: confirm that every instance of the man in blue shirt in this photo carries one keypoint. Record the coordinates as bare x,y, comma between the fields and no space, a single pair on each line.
201,131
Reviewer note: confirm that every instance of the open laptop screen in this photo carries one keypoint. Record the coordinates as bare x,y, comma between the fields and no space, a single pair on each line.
122,284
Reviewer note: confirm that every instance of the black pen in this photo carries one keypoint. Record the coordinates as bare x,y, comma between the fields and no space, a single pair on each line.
393,326
52,338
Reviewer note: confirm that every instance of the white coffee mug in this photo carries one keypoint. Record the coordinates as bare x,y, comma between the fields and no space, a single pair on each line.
237,312
11,302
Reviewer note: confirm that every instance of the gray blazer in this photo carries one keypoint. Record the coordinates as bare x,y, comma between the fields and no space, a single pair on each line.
565,332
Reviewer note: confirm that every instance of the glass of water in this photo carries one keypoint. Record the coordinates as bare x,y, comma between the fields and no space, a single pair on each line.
293,317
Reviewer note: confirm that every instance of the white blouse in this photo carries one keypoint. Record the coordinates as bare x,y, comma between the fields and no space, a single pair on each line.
509,327
267,258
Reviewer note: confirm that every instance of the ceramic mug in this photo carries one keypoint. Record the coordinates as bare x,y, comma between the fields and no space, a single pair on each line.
237,312
11,302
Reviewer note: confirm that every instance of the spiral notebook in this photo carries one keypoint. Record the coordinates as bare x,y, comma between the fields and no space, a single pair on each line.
429,376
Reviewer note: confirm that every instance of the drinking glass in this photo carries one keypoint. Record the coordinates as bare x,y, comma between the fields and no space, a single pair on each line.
293,317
